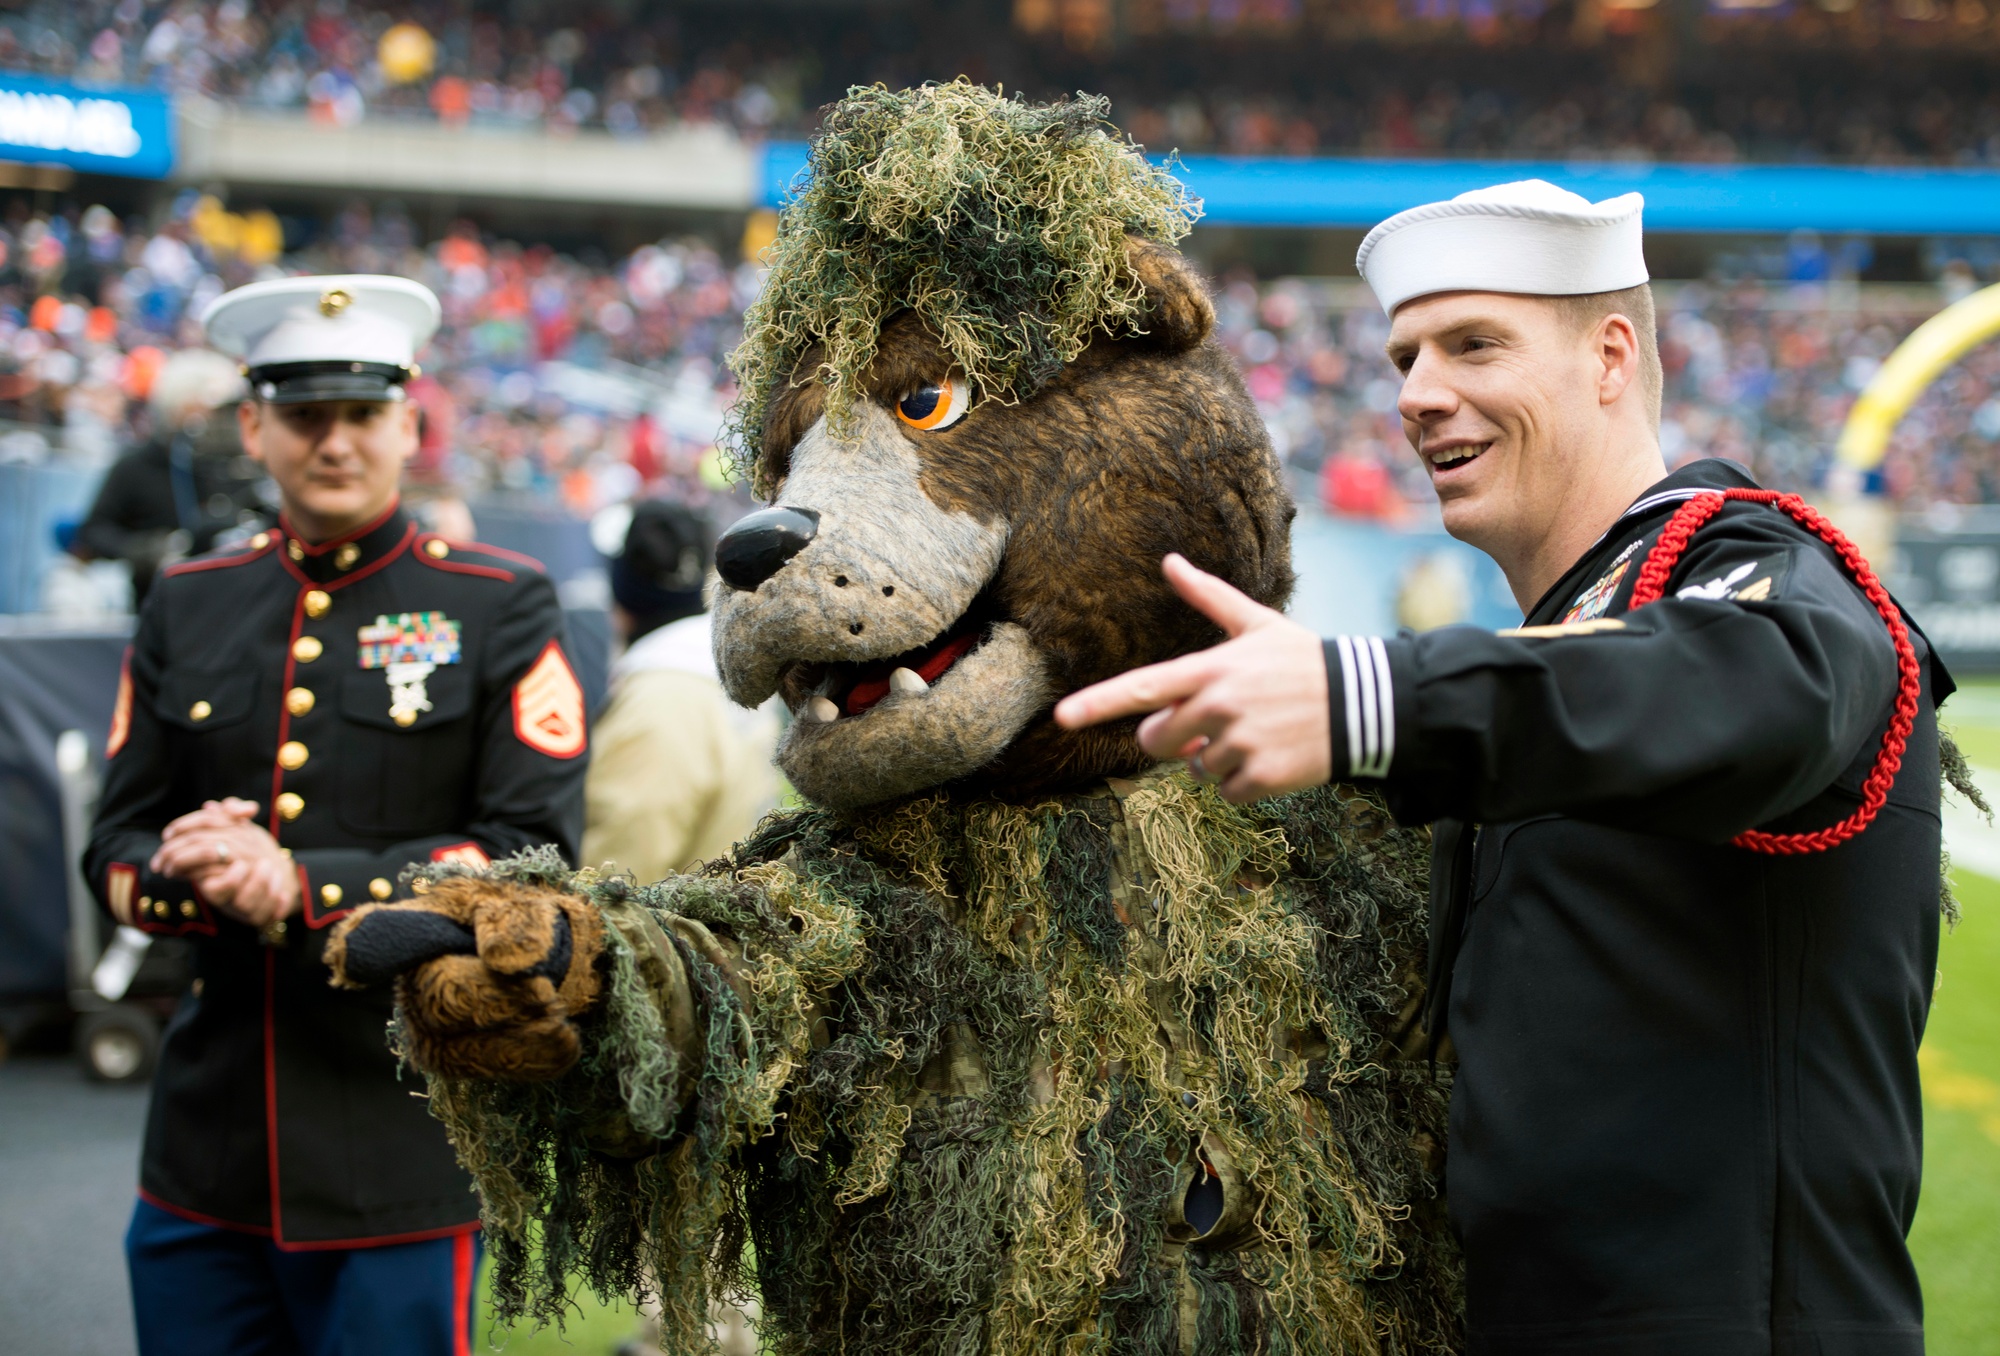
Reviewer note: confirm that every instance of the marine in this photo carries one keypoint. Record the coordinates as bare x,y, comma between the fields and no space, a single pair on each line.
299,720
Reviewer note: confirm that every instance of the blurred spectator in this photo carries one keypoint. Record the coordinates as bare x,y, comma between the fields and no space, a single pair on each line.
678,772
1880,81
184,488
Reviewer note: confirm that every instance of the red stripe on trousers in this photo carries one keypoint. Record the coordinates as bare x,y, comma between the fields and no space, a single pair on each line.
461,1295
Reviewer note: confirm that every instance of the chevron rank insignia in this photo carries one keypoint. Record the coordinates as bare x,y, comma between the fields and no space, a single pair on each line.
548,706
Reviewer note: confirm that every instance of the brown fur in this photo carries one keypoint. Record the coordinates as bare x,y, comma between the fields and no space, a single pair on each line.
1147,443
484,1016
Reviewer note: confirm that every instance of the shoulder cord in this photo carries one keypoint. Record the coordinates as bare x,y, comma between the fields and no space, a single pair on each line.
1652,582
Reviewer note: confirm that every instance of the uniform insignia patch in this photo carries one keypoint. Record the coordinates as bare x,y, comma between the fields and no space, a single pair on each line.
1578,628
1595,601
408,647
121,714
121,882
462,854
1730,588
548,706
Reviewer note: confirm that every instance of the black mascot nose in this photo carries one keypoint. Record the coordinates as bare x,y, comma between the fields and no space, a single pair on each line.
755,546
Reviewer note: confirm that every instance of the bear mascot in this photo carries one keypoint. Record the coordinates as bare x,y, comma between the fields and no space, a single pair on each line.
1009,1040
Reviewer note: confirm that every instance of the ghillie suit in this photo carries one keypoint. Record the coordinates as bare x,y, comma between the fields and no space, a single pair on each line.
1011,1042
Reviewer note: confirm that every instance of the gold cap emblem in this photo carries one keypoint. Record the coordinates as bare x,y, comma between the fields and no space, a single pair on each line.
334,300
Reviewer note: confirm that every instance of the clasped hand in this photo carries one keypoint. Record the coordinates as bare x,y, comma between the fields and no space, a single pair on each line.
235,864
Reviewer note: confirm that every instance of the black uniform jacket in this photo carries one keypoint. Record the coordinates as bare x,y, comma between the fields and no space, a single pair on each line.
266,673
1686,1115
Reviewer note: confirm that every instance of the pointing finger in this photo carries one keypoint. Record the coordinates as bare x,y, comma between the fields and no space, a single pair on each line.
1133,693
1222,603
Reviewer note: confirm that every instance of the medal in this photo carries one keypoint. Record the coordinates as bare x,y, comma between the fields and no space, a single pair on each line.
408,647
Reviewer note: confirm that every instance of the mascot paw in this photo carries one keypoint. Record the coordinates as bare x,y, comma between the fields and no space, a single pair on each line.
490,975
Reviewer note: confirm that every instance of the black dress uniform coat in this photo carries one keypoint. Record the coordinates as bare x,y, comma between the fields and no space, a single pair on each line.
266,673
1686,1114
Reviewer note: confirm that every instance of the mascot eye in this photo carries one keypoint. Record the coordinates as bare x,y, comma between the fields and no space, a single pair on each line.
936,405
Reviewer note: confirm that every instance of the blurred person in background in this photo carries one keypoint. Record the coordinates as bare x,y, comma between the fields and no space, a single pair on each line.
188,485
299,719
678,773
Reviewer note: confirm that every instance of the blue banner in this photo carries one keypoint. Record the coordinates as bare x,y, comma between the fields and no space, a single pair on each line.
1356,193
94,131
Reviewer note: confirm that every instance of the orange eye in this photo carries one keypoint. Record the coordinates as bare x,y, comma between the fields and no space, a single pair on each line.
936,405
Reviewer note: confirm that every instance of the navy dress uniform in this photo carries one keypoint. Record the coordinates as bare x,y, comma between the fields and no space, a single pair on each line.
1685,891
388,697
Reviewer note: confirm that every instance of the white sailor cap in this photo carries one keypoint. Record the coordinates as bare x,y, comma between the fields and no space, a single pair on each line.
1527,237
349,336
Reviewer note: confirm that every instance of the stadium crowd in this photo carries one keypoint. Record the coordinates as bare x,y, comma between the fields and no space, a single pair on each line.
1868,81
563,380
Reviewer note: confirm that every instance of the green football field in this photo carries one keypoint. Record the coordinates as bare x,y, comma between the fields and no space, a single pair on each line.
1957,1235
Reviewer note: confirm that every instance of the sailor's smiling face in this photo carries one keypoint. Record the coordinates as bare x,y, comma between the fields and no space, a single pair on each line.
1500,400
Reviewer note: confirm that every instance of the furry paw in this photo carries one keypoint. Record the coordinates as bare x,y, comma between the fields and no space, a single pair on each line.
490,975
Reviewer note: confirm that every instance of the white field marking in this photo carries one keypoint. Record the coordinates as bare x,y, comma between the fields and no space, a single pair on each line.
1973,843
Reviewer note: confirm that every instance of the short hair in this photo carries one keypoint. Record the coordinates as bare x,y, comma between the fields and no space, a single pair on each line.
195,376
1636,305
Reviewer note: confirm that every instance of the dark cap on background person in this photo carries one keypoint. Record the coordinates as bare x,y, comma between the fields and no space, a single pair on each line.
351,336
660,557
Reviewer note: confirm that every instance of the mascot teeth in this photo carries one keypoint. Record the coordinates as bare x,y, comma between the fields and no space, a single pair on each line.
908,680
822,710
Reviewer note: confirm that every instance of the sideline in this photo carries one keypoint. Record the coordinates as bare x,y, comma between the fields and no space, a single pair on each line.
1973,843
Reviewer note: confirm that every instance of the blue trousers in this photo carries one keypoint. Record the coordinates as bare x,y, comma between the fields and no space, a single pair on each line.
202,1291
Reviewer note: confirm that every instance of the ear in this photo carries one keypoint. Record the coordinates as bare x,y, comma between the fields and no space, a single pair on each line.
1178,312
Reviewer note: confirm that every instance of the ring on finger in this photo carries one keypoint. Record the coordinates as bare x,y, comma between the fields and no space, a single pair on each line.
1199,768
223,854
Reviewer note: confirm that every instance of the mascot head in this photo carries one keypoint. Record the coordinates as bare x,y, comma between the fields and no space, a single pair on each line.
982,398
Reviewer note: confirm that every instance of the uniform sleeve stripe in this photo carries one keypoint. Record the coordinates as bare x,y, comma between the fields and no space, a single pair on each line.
1385,696
1349,695
1369,697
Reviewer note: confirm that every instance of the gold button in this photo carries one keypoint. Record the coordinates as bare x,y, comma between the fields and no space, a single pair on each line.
403,716
260,541
160,908
299,701
291,755
187,908
291,805
200,711
329,895
294,550
380,888
317,602
345,557
272,933
145,903
436,549
306,649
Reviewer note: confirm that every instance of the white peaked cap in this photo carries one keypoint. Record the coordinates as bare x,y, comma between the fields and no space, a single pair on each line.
1527,237
353,317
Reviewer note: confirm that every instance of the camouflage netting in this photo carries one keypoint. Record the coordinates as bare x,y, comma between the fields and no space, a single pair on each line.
1001,223
956,1094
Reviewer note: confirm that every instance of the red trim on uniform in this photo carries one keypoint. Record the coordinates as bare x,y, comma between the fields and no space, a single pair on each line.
271,1087
500,551
335,543
489,571
313,918
121,711
196,1217
384,1241
222,562
461,1295
329,585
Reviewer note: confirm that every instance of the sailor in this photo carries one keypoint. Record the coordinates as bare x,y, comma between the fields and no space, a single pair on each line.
1685,888
300,718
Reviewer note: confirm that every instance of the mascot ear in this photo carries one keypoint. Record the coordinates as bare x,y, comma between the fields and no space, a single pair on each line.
1178,312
